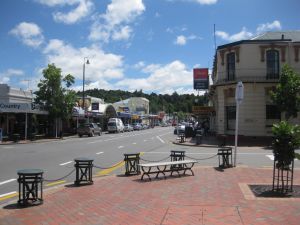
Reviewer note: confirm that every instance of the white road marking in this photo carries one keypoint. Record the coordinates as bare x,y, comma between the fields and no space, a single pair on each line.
134,143
160,139
8,147
125,136
98,153
7,181
145,140
120,147
6,194
65,163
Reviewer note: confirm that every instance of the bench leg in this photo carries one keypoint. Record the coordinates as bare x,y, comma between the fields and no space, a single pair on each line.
161,171
189,168
146,173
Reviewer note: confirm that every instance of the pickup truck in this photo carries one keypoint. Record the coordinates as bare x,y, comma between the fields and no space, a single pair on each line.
90,129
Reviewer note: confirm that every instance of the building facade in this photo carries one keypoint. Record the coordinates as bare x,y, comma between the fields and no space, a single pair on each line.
18,114
257,63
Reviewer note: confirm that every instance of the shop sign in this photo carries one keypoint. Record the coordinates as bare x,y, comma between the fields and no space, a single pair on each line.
201,78
21,108
202,109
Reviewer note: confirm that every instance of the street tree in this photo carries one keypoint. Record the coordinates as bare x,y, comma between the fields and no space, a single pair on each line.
287,93
54,93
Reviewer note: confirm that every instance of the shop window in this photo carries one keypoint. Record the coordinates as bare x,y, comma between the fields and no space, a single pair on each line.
272,64
231,66
230,117
272,112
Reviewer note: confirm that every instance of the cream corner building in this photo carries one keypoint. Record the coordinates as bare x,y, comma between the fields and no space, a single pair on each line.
257,63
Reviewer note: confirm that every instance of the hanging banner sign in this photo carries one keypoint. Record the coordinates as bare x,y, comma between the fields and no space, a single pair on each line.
201,78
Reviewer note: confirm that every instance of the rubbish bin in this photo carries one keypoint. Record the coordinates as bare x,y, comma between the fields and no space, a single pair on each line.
84,171
198,139
132,164
30,187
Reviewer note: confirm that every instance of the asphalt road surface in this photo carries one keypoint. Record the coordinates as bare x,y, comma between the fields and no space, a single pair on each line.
56,158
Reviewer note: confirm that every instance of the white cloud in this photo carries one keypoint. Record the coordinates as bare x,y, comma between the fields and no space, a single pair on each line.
275,25
103,66
29,33
6,75
122,34
139,65
206,2
83,9
116,18
162,78
4,80
242,35
180,40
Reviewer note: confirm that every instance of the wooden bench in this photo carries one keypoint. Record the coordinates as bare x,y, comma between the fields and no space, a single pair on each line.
164,167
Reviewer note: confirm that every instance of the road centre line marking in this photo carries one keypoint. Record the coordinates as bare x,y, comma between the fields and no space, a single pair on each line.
160,139
7,181
62,164
114,167
55,183
98,153
8,195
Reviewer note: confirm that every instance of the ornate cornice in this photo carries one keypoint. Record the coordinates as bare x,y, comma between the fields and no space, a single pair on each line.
272,46
230,49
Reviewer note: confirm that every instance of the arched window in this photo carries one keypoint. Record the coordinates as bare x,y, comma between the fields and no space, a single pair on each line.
231,66
272,64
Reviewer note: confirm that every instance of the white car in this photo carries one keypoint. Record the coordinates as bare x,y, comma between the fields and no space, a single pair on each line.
115,125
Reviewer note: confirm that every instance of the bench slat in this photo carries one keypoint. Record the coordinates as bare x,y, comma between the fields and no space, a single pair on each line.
167,163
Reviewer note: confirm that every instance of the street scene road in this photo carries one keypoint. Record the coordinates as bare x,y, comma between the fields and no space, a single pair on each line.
56,157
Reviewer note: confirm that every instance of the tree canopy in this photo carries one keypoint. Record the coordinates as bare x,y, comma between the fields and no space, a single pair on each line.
58,100
287,93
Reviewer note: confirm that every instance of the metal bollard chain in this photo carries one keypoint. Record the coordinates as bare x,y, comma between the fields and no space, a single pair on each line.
60,178
154,160
201,158
105,168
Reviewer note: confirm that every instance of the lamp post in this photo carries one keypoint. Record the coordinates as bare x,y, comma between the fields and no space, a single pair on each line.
85,61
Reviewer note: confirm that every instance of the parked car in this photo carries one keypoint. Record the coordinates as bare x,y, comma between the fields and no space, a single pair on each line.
128,127
115,125
180,128
137,126
90,129
145,126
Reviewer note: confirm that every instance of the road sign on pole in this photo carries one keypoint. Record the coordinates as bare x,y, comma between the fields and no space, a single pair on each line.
239,96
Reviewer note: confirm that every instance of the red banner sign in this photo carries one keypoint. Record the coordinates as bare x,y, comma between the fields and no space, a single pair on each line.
201,78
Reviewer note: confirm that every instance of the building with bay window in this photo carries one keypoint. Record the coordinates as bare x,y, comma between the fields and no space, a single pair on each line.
257,63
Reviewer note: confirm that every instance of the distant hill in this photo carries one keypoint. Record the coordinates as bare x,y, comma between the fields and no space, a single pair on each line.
168,103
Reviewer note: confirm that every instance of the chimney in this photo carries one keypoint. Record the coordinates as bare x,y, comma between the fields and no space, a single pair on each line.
282,36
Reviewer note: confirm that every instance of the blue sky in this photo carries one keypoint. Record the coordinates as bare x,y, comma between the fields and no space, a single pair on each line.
151,45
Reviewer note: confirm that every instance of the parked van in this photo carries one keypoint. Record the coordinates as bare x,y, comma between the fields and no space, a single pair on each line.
115,125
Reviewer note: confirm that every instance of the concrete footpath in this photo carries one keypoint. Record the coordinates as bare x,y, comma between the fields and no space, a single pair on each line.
210,197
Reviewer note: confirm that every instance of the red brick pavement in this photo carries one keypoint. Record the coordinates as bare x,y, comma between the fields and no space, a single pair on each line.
211,197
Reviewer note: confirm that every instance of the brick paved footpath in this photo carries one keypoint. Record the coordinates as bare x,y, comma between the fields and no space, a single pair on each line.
211,197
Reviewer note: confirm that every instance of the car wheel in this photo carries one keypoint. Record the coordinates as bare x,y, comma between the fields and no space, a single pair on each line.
80,135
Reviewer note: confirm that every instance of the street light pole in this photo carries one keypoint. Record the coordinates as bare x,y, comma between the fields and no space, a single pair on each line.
85,61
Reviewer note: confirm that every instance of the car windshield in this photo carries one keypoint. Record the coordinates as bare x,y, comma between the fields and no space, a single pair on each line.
111,124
